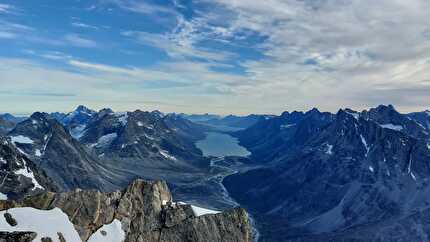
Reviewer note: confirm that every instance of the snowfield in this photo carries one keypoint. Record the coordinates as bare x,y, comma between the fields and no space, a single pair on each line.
109,233
46,223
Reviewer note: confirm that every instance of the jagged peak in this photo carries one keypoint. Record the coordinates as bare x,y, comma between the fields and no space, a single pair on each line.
40,116
313,111
84,109
383,107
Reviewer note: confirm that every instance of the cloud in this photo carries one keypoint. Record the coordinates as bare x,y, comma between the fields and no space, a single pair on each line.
142,7
10,30
315,50
175,46
76,40
5,8
7,35
83,25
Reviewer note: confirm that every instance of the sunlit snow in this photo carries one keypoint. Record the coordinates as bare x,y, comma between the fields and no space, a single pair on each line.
109,233
46,223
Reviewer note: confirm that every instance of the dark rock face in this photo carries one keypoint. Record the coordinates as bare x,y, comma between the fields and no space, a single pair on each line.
5,126
144,214
65,160
359,177
19,175
141,135
17,236
277,136
422,118
10,220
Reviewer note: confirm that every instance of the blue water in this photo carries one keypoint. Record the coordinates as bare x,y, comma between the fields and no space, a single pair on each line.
219,144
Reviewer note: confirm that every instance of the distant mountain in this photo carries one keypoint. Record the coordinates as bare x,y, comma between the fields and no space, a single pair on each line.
237,121
199,117
273,137
19,175
5,126
353,176
8,122
75,121
422,118
185,128
12,118
143,136
65,160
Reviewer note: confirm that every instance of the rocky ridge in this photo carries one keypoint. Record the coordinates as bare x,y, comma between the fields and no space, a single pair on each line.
146,212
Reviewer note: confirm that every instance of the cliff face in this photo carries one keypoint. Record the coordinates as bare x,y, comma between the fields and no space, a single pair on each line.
145,211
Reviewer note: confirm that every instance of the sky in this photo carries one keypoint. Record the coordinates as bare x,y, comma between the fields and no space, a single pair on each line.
217,56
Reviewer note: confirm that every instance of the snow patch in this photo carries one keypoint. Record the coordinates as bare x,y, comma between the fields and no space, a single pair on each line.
355,115
392,126
329,149
28,173
363,140
37,153
286,126
112,232
105,140
78,131
371,169
3,196
21,139
167,155
46,223
139,123
122,118
198,211
2,160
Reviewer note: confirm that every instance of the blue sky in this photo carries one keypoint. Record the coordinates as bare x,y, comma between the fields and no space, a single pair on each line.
220,56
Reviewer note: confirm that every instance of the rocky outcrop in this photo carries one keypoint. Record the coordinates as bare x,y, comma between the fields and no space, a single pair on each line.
17,236
146,214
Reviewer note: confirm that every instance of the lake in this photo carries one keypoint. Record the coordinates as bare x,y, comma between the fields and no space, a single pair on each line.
219,144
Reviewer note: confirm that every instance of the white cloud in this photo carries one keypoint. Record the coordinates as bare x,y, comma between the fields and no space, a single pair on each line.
76,40
7,35
5,8
141,7
329,50
83,25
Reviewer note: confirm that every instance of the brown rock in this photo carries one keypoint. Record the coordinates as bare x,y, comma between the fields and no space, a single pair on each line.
143,216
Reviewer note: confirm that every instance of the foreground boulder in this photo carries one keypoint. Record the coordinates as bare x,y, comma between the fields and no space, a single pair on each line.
144,211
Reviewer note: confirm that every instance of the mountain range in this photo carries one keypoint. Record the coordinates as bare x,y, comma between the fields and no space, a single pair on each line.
349,176
310,176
